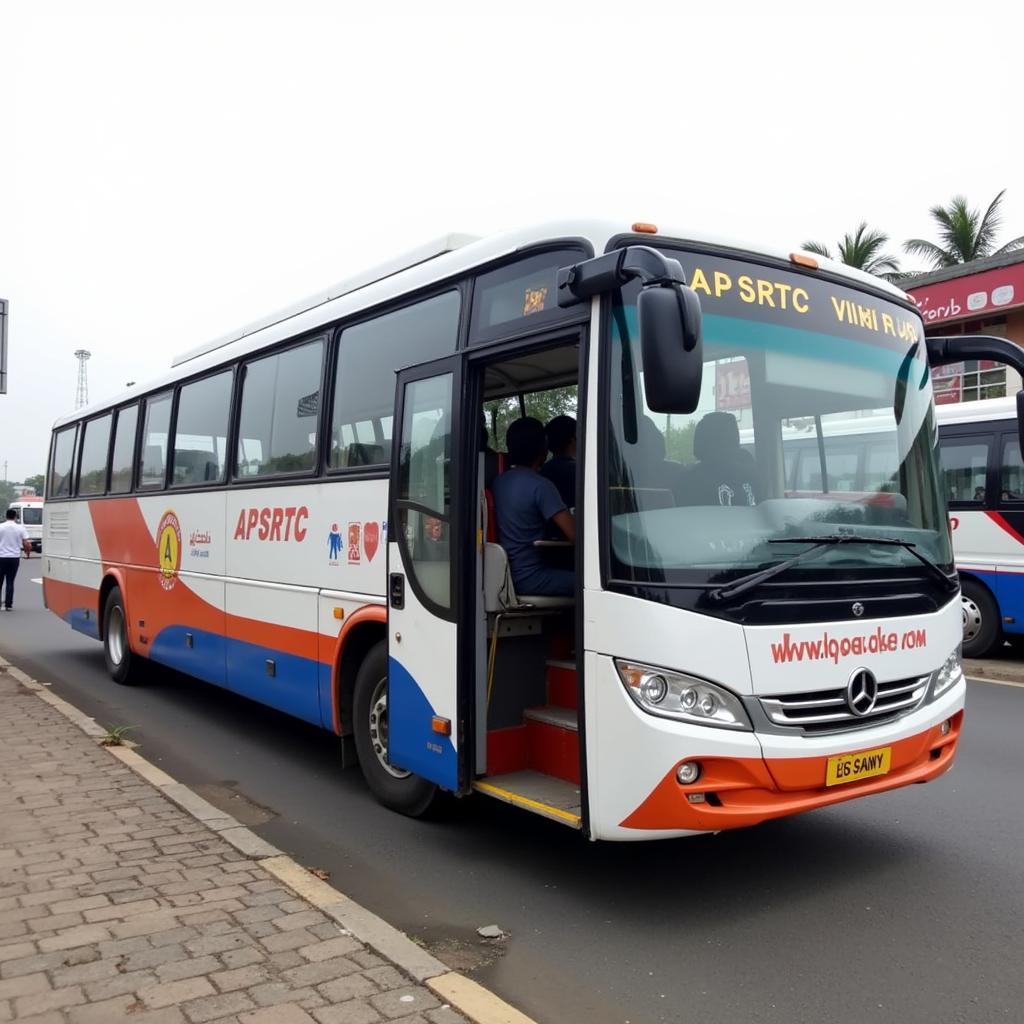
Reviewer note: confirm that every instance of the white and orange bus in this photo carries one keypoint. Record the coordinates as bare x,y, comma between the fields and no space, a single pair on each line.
301,512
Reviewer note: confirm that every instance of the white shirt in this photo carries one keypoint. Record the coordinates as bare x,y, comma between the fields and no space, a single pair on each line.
11,536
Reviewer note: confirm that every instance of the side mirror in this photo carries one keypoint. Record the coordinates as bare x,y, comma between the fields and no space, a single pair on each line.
672,345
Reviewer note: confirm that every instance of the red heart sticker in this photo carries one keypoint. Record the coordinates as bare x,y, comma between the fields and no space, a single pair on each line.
371,538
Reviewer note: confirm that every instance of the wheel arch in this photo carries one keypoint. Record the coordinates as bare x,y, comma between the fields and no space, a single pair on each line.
111,578
363,629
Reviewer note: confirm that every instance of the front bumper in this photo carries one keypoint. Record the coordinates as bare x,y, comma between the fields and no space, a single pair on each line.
738,792
746,777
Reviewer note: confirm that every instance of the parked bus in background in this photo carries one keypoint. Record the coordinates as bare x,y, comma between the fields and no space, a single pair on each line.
30,515
984,484
302,512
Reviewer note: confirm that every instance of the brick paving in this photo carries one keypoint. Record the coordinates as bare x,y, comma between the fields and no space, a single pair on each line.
117,905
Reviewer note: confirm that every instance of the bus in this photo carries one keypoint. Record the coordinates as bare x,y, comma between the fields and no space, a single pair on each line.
29,511
303,512
984,483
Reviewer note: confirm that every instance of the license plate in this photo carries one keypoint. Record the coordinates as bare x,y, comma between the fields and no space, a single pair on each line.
853,767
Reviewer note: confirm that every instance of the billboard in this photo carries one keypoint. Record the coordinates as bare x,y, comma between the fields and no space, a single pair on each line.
973,295
3,346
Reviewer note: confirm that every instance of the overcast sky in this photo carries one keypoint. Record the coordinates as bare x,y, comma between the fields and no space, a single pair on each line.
167,177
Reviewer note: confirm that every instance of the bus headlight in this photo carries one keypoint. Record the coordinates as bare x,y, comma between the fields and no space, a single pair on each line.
686,698
947,675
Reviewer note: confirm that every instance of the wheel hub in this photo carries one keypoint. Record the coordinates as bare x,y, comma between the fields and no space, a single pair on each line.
115,636
379,729
972,618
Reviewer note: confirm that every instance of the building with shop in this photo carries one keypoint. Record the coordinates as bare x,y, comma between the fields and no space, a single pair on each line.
982,297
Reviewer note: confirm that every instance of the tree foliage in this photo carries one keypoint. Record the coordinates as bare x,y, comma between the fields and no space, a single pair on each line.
964,234
37,483
863,250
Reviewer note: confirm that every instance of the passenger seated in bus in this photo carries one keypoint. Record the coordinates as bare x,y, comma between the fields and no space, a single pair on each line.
560,469
525,502
725,474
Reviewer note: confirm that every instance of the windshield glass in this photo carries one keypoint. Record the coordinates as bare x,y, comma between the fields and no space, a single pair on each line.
32,516
815,419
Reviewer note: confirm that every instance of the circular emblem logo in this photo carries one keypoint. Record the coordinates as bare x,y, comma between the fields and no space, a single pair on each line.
168,549
862,692
857,609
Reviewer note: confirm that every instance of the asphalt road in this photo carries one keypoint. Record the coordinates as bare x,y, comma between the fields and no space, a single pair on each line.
906,907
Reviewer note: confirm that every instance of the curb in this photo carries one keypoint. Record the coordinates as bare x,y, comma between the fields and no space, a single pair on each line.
466,996
993,672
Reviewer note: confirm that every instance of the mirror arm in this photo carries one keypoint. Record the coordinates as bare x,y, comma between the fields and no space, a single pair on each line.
957,348
582,281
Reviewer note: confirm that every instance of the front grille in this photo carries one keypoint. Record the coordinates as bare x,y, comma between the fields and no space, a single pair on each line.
827,710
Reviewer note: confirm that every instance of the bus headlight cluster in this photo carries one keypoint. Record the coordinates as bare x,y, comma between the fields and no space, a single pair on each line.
947,675
674,695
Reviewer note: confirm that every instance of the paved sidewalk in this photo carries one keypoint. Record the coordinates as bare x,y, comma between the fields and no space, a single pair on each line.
118,905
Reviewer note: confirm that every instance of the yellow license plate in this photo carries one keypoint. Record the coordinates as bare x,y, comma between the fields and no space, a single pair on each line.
853,767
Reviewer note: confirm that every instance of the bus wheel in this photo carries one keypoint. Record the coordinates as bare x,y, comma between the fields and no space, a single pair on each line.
982,631
121,663
400,790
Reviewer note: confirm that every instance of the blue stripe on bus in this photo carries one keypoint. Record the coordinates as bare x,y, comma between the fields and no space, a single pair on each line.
84,621
412,742
294,688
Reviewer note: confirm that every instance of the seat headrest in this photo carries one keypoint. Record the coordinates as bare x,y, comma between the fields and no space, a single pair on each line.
717,436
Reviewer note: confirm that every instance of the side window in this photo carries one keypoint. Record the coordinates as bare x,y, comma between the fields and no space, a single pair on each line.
280,406
63,460
92,471
964,468
124,450
1011,473
153,463
364,387
201,432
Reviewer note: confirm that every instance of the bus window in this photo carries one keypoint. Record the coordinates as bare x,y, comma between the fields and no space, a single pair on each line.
364,386
280,400
92,472
153,463
201,431
840,465
881,469
63,460
1011,473
124,450
964,467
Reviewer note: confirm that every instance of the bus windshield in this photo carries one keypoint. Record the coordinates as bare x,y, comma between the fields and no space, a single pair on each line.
815,419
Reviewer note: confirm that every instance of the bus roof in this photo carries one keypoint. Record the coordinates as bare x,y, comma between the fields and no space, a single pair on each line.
974,412
447,257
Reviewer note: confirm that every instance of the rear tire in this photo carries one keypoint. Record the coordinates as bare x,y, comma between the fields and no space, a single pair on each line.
122,665
983,632
399,790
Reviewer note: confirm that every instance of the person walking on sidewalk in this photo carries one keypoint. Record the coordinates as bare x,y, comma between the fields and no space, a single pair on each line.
13,543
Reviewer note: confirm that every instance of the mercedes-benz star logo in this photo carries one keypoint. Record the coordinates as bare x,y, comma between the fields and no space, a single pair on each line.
857,609
862,692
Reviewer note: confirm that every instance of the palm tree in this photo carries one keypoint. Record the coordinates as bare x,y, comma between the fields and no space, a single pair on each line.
863,250
965,235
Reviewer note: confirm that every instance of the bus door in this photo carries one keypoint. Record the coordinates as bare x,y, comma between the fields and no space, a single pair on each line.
426,733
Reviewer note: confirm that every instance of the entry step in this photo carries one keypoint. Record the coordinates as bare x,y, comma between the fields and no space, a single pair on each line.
562,718
543,794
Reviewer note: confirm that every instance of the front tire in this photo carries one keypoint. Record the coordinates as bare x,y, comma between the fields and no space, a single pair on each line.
394,788
122,665
983,632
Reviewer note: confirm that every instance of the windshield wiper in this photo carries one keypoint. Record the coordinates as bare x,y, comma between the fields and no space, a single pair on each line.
755,579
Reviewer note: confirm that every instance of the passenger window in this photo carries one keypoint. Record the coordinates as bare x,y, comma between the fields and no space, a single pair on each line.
364,386
63,460
280,406
152,466
201,432
92,472
1011,475
964,467
124,450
